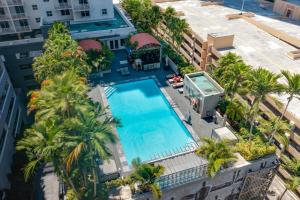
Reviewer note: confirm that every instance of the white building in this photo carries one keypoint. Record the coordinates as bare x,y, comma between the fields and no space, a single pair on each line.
11,119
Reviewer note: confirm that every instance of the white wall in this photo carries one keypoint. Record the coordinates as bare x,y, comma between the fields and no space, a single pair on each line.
96,7
32,14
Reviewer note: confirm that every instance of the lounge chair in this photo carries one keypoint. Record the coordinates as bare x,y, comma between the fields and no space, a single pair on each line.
170,76
124,71
177,85
175,79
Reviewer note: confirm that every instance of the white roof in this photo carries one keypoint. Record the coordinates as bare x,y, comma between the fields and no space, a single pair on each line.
255,46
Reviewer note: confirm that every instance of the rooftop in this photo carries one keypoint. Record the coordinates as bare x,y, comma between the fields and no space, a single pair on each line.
257,48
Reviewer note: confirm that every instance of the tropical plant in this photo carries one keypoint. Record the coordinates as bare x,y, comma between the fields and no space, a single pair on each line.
291,164
147,176
187,70
100,60
262,82
255,148
234,77
275,128
64,96
61,53
292,88
218,153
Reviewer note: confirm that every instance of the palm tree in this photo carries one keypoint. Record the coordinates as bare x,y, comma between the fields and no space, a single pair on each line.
42,146
234,77
262,82
147,175
90,138
292,88
275,128
64,96
218,153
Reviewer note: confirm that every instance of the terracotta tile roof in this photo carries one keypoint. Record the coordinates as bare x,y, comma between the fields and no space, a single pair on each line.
143,39
90,44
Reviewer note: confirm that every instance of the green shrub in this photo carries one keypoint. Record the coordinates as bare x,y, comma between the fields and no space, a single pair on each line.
254,149
187,70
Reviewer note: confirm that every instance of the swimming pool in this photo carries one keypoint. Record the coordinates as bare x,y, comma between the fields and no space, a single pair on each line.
205,85
149,125
117,22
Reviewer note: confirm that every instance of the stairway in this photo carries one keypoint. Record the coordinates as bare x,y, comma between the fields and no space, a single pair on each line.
109,91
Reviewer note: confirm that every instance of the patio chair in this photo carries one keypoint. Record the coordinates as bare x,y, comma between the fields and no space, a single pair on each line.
124,71
177,85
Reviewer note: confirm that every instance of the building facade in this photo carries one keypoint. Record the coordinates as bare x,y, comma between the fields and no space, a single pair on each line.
11,120
289,8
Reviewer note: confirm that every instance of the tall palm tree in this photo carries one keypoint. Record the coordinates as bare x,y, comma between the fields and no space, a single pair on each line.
262,82
275,128
292,88
234,77
64,95
41,145
90,138
147,175
218,153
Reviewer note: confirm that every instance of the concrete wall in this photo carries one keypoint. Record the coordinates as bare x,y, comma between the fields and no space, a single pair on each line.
226,183
11,117
283,7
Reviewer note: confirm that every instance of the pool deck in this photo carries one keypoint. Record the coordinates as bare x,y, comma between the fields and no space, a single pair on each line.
201,127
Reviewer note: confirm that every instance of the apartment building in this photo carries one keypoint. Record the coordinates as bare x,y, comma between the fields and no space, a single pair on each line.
24,26
288,8
11,120
261,40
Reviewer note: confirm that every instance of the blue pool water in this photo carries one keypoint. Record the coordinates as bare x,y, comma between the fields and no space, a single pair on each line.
149,125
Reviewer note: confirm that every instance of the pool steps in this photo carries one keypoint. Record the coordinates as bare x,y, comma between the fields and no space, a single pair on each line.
109,91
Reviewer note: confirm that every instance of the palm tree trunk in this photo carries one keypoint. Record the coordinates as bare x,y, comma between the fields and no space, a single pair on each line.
286,107
70,182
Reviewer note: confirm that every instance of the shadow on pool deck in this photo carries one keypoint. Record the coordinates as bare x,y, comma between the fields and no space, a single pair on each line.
202,127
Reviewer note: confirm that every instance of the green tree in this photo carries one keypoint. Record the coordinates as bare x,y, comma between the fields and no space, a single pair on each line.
234,78
292,88
147,175
262,82
275,128
292,165
218,153
63,96
61,53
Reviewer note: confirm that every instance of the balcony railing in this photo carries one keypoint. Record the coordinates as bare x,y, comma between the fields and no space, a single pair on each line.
14,2
23,29
4,17
62,6
18,16
82,7
2,3
6,30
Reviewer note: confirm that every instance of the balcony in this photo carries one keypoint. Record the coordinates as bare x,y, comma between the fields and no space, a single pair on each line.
6,31
4,17
14,3
62,6
82,7
21,29
17,16
2,3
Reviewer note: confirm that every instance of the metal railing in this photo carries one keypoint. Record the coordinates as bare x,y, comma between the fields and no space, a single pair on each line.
183,177
61,6
18,15
82,7
23,28
14,2
189,147
7,30
4,17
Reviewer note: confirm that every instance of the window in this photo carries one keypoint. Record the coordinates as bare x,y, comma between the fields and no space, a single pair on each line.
28,77
49,13
34,7
38,20
4,25
3,95
10,108
104,11
46,0
122,42
23,55
65,12
23,22
85,13
22,67
2,140
62,1
19,9
2,12
83,1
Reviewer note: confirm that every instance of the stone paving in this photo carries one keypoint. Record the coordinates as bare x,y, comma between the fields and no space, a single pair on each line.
201,127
